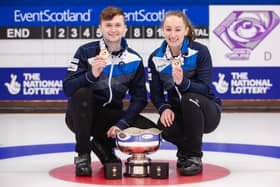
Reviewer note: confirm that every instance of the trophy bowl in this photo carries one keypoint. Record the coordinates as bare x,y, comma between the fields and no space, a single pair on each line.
137,143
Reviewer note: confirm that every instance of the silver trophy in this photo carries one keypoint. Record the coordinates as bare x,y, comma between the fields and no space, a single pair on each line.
138,143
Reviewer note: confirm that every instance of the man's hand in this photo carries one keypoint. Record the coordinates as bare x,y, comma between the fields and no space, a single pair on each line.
111,133
98,64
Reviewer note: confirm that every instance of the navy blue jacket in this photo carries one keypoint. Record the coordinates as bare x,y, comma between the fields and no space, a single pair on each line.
197,70
123,74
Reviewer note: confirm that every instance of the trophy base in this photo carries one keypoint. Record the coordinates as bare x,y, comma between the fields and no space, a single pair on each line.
138,165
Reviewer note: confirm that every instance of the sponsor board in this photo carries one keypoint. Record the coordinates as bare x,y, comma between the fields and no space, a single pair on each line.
246,83
228,83
56,22
244,36
32,83
242,41
89,15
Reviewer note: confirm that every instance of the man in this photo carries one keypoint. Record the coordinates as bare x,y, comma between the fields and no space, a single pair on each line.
97,80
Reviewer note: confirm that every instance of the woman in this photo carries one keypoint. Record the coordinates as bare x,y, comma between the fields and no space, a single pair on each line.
181,68
97,80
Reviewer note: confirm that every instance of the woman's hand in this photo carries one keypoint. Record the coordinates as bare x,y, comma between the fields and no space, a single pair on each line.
177,74
111,133
98,64
167,117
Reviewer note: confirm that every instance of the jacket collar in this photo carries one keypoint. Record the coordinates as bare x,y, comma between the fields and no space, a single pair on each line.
163,49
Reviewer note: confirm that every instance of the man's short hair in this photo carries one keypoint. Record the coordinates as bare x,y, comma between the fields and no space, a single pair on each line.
109,13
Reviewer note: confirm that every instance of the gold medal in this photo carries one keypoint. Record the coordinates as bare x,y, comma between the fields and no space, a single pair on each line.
104,53
176,62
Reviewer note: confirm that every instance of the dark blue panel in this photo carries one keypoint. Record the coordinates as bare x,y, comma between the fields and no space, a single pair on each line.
31,83
89,15
247,82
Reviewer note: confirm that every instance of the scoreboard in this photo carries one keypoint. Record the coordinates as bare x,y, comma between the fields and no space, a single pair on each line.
85,32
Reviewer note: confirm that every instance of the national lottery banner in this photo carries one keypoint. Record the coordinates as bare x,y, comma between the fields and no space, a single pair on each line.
46,83
247,83
32,83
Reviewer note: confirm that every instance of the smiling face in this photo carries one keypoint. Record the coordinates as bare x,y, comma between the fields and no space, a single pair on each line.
112,25
113,29
174,29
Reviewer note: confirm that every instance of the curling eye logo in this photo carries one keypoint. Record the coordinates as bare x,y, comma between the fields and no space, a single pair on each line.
242,31
13,86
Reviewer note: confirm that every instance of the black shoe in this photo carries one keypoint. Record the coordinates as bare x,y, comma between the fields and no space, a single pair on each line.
83,165
104,154
181,159
192,166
